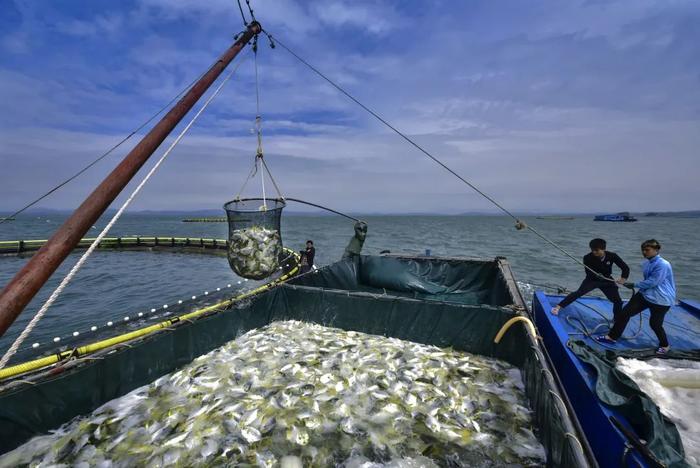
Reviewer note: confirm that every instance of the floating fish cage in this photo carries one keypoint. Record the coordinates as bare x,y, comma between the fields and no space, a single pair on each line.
380,358
255,237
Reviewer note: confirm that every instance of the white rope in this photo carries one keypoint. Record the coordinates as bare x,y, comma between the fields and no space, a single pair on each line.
57,292
258,126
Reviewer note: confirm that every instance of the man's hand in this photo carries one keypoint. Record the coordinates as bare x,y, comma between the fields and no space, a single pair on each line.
555,310
621,281
628,285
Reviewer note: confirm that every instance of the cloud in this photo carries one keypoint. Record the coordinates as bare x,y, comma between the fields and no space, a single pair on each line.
559,109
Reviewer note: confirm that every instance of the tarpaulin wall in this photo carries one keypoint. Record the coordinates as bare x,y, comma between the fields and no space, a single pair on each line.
30,410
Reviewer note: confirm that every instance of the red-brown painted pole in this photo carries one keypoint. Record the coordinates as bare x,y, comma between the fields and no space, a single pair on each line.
29,280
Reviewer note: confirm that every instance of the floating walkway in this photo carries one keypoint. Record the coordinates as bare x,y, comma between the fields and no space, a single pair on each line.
218,219
195,244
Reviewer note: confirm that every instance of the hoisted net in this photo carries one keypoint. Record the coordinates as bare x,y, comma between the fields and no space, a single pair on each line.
254,235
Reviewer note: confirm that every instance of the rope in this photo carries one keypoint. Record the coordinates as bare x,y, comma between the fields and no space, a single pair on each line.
252,172
518,223
258,119
250,10
107,153
269,174
245,22
35,320
324,208
583,329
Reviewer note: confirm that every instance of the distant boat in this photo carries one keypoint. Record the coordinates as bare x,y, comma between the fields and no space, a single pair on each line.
7,219
556,218
623,217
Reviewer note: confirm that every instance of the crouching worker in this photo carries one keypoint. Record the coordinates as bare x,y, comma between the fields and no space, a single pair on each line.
354,247
657,292
599,265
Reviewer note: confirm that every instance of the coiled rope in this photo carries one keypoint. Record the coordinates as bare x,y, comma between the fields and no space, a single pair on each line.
57,292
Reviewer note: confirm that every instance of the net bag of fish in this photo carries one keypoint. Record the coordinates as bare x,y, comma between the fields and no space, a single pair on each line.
254,236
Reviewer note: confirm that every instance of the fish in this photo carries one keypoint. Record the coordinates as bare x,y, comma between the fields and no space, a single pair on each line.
300,394
254,252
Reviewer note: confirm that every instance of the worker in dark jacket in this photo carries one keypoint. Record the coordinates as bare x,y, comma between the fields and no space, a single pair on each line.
599,265
307,257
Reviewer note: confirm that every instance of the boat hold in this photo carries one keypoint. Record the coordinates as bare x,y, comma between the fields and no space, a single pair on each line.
426,302
322,394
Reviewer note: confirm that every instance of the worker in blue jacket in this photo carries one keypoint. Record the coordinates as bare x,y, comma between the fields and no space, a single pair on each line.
657,292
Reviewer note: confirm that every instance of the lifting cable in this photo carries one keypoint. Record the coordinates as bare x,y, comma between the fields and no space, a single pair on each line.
259,163
518,223
104,155
35,320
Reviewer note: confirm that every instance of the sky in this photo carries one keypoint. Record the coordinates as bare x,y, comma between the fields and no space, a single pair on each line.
547,106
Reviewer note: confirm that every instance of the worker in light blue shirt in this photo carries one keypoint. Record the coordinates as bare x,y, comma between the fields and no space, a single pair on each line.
657,292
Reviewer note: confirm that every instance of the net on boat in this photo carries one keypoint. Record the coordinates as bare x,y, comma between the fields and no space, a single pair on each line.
254,235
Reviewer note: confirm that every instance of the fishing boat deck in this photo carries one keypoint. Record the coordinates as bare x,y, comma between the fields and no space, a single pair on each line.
682,324
573,354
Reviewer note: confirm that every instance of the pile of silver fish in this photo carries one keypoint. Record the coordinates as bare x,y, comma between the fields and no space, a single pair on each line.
294,394
254,252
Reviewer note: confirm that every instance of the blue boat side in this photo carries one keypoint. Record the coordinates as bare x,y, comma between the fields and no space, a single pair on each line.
682,325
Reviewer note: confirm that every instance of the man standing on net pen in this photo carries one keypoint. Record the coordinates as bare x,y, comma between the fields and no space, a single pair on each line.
599,265
657,292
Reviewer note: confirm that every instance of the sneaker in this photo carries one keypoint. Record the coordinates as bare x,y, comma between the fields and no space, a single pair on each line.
603,339
662,351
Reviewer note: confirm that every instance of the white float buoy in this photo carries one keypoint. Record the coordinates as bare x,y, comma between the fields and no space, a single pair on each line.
75,333
93,328
35,345
57,339
109,324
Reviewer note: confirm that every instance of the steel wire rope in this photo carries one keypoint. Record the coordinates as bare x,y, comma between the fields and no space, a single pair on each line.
245,21
258,119
519,223
104,155
74,270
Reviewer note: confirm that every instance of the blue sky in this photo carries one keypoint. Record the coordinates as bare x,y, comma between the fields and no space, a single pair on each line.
552,106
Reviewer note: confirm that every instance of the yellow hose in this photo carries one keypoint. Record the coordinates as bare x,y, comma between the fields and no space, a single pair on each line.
28,366
528,325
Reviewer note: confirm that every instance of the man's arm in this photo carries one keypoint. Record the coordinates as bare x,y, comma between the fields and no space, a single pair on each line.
617,260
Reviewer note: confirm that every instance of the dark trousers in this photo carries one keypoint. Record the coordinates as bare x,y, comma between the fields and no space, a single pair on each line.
607,287
635,306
